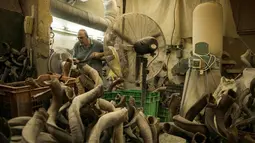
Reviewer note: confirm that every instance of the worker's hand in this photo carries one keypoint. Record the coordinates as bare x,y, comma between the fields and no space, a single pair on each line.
96,55
76,61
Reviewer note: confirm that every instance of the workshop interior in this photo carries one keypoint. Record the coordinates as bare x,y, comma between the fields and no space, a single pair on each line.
127,71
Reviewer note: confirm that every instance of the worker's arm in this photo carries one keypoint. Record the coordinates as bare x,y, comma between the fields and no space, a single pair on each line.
97,55
100,52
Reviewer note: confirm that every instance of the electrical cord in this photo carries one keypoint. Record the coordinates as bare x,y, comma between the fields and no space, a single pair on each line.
208,65
214,61
153,58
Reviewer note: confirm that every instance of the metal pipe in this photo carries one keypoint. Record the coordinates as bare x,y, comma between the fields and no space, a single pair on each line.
64,11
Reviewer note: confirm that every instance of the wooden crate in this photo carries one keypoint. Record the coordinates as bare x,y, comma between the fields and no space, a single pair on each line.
16,99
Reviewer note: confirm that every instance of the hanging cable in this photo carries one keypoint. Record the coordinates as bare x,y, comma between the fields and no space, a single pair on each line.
212,60
153,59
175,5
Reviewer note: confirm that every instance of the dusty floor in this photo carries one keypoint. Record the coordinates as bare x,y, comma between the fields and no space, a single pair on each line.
166,138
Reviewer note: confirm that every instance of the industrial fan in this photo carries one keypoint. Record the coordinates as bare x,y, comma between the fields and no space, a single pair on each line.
134,35
57,59
138,41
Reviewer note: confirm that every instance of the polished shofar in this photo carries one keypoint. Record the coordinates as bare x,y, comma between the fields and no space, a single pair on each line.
75,122
106,121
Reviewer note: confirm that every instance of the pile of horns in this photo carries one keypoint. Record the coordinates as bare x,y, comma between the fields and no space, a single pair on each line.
227,115
87,117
